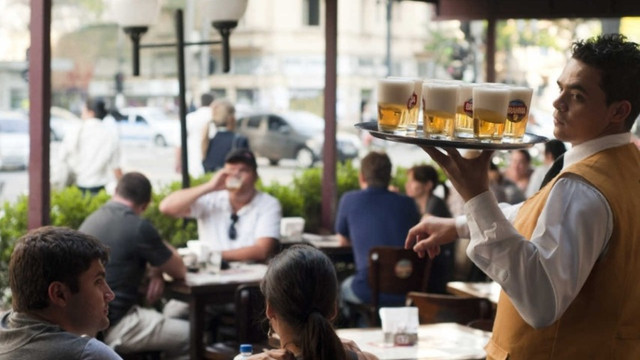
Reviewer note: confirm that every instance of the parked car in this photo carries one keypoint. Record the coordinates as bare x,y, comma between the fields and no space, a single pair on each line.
61,122
295,135
14,140
147,125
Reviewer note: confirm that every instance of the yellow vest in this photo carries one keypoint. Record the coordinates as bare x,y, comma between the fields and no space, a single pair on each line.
603,321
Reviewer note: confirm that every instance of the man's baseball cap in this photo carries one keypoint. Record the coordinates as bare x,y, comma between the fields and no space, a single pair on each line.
244,156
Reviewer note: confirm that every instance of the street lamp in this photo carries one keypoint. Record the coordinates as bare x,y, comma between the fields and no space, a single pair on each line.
135,17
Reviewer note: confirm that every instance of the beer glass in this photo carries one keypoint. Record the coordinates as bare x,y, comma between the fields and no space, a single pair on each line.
396,98
490,103
439,108
517,113
463,127
414,113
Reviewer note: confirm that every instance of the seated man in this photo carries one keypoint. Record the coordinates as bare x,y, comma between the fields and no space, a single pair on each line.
232,214
373,216
60,297
135,244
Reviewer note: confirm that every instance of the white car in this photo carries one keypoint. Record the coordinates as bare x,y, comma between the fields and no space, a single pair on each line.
62,121
14,140
147,125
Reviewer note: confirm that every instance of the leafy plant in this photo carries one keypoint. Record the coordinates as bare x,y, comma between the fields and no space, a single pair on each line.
69,207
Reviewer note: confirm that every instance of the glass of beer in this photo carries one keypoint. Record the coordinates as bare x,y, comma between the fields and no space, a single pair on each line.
414,113
463,127
396,98
490,103
439,108
518,113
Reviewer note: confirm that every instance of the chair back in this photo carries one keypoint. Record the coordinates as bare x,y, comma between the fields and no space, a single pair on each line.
435,308
396,270
250,315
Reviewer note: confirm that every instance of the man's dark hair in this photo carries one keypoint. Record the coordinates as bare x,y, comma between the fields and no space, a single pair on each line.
618,61
135,187
206,99
49,254
376,169
98,106
555,148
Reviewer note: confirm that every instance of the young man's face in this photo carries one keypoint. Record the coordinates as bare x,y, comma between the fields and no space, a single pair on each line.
89,307
581,111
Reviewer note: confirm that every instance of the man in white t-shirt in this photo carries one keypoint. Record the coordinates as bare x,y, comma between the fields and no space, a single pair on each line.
232,214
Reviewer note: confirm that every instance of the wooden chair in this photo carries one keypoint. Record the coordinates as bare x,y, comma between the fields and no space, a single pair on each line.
392,270
249,325
482,324
435,308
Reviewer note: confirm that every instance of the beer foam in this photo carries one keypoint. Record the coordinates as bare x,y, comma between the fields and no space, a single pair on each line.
492,98
465,93
440,96
395,91
521,93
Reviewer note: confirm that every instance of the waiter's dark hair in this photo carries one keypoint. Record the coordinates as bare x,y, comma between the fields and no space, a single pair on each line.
618,61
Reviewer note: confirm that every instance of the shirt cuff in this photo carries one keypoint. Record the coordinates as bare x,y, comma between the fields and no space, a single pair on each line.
483,209
462,227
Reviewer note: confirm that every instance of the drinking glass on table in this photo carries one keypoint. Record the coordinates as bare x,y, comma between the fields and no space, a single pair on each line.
214,265
490,104
439,108
518,113
396,99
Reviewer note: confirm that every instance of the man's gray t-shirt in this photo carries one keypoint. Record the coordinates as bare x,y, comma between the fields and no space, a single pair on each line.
133,243
23,337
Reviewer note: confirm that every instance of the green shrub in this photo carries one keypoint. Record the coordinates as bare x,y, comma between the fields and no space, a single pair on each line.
303,197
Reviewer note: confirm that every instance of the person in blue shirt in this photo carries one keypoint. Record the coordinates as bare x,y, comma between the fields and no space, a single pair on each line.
372,216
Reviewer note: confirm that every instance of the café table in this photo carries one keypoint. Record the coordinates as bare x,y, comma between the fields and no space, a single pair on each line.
444,341
488,290
200,289
330,245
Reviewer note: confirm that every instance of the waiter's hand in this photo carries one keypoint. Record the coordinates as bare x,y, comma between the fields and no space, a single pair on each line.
470,177
429,234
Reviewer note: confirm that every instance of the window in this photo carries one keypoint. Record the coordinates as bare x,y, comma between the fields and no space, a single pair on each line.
311,12
219,93
254,122
246,96
275,123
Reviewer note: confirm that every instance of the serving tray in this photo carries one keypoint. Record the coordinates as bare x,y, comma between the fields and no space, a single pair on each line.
419,138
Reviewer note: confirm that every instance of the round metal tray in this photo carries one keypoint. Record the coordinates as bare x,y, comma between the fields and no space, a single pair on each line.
419,139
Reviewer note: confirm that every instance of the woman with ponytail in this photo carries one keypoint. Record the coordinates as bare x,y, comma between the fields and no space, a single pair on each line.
301,293
421,182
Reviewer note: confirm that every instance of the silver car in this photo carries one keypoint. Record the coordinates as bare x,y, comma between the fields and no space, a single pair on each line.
297,135
14,140
147,125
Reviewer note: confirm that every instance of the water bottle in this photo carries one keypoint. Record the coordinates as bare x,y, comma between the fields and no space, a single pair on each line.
245,352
